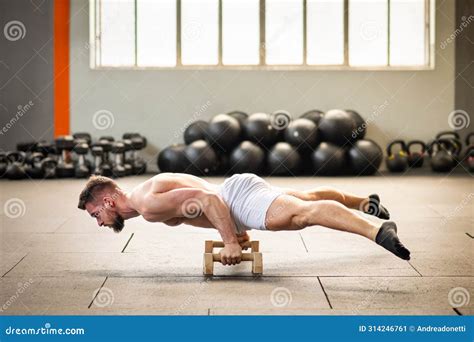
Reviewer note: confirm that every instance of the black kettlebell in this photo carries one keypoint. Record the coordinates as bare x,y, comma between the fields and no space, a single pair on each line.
468,155
48,165
397,162
416,158
16,166
469,142
442,159
469,158
33,167
470,137
456,145
3,164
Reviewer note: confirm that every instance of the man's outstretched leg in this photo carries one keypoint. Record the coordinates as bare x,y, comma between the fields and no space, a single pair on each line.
369,205
291,213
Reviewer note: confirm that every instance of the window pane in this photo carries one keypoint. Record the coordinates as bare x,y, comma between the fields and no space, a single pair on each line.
240,31
368,32
156,32
325,31
407,32
284,31
199,31
117,27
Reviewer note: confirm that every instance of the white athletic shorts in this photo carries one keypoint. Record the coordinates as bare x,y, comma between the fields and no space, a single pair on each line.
248,198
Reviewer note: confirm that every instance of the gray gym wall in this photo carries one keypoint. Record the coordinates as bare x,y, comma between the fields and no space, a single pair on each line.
159,104
26,72
464,87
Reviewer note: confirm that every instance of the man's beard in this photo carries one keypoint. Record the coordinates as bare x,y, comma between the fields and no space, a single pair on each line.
118,224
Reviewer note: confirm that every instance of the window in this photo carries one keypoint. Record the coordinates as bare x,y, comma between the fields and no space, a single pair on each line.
262,34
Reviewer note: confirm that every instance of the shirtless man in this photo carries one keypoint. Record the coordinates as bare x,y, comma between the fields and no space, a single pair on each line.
242,202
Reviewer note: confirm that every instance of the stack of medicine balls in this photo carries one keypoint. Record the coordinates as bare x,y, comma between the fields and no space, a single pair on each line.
275,144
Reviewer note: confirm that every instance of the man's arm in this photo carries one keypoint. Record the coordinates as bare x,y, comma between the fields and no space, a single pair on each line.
188,203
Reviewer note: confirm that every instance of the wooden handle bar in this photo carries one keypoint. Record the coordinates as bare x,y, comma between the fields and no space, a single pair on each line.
245,257
220,244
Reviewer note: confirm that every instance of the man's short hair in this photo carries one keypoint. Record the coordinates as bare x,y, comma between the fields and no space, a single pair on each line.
93,189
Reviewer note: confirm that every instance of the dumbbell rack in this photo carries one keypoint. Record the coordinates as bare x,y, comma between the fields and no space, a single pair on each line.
210,257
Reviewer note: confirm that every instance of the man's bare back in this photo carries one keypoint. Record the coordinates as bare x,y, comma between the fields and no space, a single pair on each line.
166,183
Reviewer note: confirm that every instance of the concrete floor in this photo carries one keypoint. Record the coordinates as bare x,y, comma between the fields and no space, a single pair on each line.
55,260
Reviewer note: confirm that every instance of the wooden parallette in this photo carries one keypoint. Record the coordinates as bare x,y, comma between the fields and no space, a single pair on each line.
254,256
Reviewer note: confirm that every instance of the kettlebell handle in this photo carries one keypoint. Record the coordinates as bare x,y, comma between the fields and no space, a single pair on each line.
469,138
454,145
446,145
443,134
419,143
402,144
16,157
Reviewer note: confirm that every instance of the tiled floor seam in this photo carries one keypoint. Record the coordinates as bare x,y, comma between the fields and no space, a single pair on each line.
97,293
128,241
14,265
325,294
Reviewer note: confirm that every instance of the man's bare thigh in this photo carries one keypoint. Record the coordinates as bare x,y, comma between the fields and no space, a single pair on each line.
280,215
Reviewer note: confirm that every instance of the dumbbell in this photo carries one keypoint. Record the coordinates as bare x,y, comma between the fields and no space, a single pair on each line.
82,169
108,138
16,165
106,165
118,149
130,136
83,136
127,160
26,147
65,166
134,135
98,153
138,164
46,148
254,256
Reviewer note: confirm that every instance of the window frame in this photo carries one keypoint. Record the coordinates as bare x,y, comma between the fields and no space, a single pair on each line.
94,45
